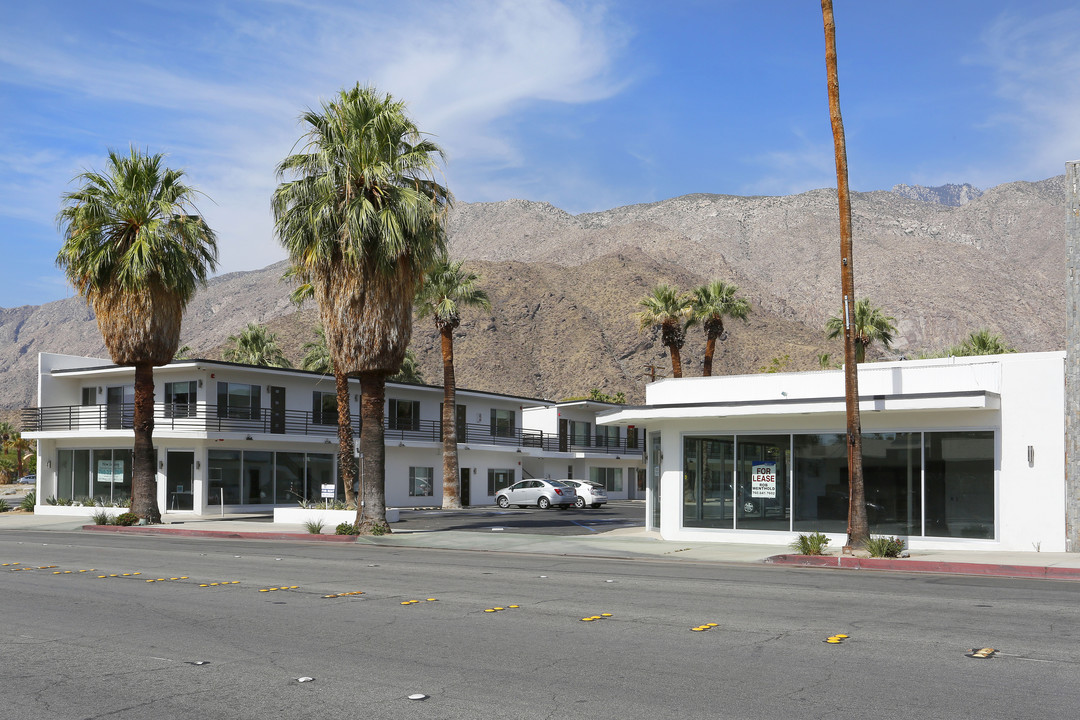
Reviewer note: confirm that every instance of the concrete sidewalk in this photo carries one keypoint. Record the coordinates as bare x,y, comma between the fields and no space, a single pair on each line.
627,543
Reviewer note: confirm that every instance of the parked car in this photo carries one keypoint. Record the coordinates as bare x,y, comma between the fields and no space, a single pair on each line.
541,493
589,492
30,479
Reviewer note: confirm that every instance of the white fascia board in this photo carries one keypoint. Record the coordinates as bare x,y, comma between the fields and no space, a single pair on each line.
971,400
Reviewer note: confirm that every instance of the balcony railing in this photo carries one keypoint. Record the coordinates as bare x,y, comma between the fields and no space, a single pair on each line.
214,419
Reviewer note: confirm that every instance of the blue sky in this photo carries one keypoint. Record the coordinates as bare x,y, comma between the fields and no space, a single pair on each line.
587,105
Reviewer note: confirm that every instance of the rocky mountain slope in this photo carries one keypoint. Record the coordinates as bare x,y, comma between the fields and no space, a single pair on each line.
564,287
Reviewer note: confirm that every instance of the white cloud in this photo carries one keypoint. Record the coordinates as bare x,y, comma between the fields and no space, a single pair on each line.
225,106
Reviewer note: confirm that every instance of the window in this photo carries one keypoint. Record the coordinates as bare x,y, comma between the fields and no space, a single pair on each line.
631,438
181,398
120,401
579,433
420,481
89,396
498,479
610,478
404,414
324,408
239,401
502,423
103,475
461,423
607,436
960,484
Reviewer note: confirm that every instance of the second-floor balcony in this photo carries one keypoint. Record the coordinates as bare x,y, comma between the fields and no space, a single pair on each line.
200,418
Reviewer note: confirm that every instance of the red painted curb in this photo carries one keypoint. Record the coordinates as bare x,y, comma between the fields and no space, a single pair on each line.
927,566
191,532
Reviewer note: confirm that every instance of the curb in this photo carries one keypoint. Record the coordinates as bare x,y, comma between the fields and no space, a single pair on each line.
926,566
230,534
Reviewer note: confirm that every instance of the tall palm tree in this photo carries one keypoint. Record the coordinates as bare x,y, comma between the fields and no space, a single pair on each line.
871,326
317,359
136,248
447,290
256,345
711,304
362,219
21,448
673,312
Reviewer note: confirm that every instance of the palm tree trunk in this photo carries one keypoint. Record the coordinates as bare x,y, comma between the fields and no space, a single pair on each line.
676,361
144,463
451,497
858,526
346,461
372,512
710,348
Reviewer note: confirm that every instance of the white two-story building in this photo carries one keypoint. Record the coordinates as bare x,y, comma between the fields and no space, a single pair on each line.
237,438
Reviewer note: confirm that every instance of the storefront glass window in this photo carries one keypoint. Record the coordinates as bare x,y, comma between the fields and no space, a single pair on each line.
708,471
289,478
258,478
762,499
960,484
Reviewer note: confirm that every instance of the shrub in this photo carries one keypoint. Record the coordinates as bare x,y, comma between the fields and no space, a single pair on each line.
380,529
314,526
4,507
101,518
28,502
884,547
126,519
347,529
812,544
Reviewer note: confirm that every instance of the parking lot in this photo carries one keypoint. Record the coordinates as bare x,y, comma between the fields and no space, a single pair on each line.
572,521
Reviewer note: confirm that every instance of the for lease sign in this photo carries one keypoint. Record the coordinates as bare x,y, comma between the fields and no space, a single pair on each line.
763,479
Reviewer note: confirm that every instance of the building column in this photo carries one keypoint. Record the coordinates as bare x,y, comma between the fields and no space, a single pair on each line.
1072,359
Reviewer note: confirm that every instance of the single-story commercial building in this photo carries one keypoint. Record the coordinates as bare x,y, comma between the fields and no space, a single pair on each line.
963,453
238,438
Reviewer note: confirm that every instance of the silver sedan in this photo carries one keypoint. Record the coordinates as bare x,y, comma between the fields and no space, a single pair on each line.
541,493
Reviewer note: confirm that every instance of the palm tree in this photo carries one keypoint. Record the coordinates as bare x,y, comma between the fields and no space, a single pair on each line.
317,359
137,250
982,342
256,345
871,326
673,312
362,219
409,372
447,290
711,304
21,448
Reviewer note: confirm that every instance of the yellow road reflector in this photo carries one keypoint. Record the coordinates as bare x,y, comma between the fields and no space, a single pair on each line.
832,641
264,590
841,636
513,606
490,610
406,602
606,614
499,608
588,619
431,599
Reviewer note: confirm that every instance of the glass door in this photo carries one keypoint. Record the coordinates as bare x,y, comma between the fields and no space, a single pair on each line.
652,488
179,479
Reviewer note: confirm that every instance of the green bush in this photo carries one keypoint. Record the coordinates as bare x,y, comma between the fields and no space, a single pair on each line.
101,518
4,507
884,547
380,529
28,502
314,526
812,544
347,529
126,519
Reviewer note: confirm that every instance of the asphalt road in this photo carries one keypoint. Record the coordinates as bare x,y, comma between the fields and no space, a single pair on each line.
571,521
77,645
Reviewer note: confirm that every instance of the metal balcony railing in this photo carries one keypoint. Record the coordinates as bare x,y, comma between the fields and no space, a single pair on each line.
215,419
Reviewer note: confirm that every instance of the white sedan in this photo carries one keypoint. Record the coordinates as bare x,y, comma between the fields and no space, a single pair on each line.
589,492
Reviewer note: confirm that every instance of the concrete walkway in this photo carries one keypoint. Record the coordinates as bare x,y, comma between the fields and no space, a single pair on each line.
627,543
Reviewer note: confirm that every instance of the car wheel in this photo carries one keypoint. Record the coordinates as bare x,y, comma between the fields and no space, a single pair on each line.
596,505
580,502
502,501
543,503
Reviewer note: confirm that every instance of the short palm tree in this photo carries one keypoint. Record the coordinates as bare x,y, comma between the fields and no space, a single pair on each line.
362,219
317,359
410,371
447,290
666,307
256,345
871,325
137,250
711,304
982,342
21,448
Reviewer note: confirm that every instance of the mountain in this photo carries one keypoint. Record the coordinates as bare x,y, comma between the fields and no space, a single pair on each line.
564,287
949,194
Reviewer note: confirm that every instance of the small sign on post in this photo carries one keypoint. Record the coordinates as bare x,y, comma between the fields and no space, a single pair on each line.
328,491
